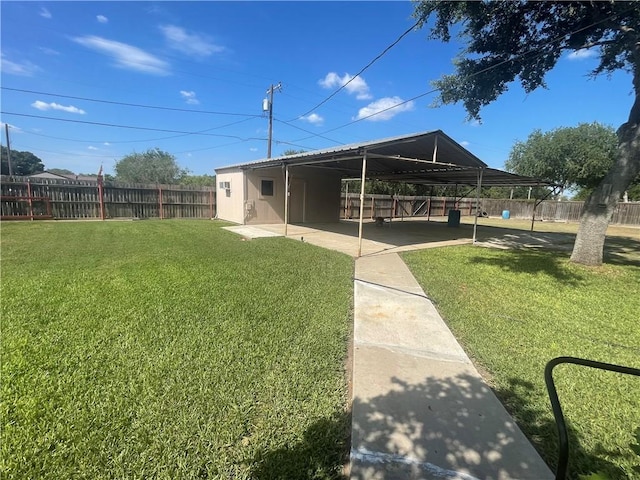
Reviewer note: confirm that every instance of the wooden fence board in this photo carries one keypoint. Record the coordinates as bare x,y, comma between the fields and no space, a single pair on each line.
72,199
422,206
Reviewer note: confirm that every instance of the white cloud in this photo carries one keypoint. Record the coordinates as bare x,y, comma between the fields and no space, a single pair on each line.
102,19
357,87
106,144
384,109
25,69
253,149
189,43
582,54
313,119
464,143
474,123
190,97
126,56
13,128
91,147
45,13
40,105
49,51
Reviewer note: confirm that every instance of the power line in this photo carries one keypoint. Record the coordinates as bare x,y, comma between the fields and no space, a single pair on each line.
130,104
484,70
69,154
293,144
404,34
308,131
137,141
373,114
132,127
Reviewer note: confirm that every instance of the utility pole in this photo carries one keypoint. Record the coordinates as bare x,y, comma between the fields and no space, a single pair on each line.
6,126
267,105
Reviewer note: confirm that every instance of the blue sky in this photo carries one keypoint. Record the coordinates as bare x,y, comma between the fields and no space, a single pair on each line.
217,59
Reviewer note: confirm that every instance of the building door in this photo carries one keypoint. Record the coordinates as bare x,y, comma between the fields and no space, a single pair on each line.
297,200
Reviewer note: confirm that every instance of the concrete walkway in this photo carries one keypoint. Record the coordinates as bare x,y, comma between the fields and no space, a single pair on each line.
420,408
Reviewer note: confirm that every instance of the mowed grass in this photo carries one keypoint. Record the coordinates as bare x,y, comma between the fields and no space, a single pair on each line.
171,349
513,311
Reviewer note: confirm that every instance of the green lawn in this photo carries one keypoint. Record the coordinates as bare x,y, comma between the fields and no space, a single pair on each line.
515,310
171,349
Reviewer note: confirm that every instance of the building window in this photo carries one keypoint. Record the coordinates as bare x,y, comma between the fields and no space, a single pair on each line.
266,188
226,186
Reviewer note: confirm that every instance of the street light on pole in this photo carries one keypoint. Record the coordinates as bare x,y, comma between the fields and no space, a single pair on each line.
267,106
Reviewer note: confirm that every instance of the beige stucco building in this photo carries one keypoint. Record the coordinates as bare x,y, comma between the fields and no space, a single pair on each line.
257,196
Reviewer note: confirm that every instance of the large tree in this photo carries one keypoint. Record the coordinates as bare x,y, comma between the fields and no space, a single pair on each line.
152,166
22,163
198,180
573,157
509,40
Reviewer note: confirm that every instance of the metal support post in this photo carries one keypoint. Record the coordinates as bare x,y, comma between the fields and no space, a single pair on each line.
286,199
362,182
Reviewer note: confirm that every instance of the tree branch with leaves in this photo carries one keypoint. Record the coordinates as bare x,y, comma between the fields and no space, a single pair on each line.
509,41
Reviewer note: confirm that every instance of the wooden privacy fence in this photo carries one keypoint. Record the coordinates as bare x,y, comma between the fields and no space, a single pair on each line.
399,206
41,198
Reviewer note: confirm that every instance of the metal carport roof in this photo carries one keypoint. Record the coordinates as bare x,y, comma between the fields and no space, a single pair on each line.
428,158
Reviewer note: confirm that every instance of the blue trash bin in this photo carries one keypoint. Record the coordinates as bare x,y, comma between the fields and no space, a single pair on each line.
506,214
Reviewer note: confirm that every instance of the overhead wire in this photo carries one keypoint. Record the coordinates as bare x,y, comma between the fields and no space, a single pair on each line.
307,131
132,127
320,135
138,141
174,109
484,70
378,57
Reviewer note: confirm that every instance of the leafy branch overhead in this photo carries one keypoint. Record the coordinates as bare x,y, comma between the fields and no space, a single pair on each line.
508,41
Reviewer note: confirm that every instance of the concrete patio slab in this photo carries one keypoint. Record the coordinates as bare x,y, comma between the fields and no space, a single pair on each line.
399,236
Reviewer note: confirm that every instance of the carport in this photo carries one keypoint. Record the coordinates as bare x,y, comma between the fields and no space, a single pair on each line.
430,158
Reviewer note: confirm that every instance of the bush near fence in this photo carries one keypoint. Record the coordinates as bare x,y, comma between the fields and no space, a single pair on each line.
418,206
24,197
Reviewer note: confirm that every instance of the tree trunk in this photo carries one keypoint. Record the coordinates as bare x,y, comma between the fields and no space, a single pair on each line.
598,208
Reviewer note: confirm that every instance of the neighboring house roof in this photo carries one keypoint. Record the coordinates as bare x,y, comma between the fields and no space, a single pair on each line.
429,158
58,176
46,174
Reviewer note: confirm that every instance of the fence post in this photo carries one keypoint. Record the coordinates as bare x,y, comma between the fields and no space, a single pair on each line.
160,202
211,216
30,199
101,195
373,205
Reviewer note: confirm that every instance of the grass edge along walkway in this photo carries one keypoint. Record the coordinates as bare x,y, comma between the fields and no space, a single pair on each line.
171,349
515,310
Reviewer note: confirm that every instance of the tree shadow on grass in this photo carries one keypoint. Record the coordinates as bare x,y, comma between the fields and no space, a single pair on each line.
321,454
622,251
618,250
540,427
435,428
533,262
